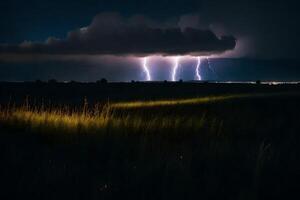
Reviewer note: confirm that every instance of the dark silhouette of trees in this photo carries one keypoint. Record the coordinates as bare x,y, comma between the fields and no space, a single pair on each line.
102,81
38,81
52,81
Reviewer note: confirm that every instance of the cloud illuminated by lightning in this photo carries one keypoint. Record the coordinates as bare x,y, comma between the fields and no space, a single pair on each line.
198,76
145,67
176,64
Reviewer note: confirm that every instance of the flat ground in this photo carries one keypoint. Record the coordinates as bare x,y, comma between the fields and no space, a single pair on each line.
149,141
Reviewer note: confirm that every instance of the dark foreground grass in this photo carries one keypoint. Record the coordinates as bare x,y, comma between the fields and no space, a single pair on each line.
242,147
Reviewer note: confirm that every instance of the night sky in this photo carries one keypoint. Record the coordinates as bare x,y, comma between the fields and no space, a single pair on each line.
90,39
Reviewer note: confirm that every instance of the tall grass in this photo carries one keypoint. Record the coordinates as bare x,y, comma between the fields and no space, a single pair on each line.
138,116
97,118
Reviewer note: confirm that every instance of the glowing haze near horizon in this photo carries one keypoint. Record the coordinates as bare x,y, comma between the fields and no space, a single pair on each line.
115,69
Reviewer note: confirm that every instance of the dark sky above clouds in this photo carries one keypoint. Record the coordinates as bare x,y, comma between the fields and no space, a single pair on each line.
262,29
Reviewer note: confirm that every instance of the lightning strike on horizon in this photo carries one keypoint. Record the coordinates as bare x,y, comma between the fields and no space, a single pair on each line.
198,76
176,61
145,67
210,68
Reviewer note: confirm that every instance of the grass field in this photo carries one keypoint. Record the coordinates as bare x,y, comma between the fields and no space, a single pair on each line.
100,117
239,146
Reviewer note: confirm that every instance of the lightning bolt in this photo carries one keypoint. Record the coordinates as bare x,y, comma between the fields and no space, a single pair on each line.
145,67
210,68
198,76
176,64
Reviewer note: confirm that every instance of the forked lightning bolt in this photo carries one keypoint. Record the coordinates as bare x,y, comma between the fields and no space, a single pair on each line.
176,64
211,69
145,67
198,76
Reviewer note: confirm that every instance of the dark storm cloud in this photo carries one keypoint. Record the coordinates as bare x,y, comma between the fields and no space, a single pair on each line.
265,29
111,34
